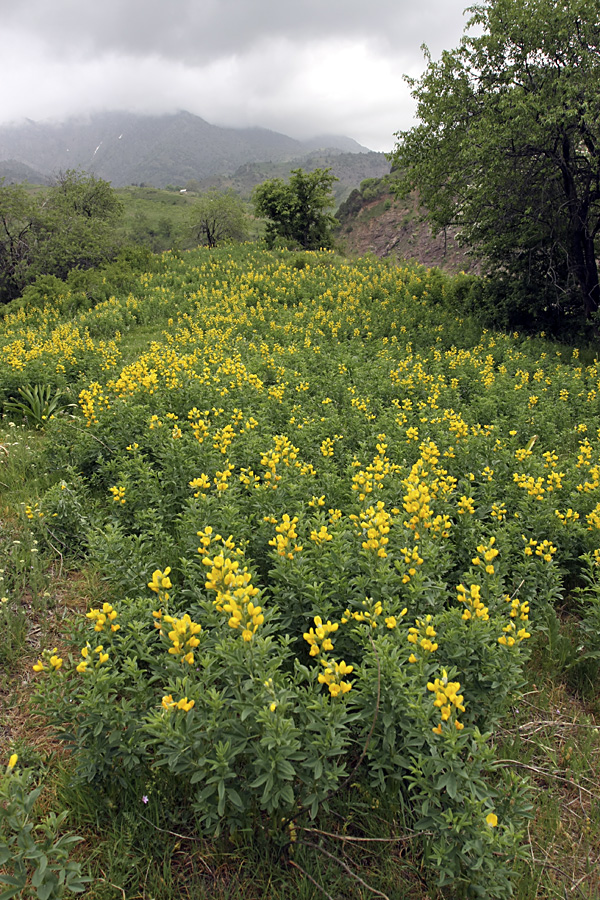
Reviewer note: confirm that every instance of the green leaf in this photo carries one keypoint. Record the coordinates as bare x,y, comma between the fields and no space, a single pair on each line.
38,875
45,890
6,895
235,798
12,879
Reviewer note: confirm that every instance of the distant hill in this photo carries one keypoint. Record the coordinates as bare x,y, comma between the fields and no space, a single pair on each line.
126,148
350,168
14,172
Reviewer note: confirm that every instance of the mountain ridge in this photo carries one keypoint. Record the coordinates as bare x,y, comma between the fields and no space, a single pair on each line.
130,148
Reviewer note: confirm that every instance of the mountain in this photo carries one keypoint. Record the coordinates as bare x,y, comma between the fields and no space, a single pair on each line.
14,172
350,168
126,148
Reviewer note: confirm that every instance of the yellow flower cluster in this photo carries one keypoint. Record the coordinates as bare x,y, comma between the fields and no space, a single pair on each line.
249,478
374,525
221,479
594,482
568,517
33,511
234,589
318,637
207,537
584,457
511,636
200,486
533,486
161,583
554,481
199,423
183,635
285,538
543,549
422,635
465,505
593,518
473,603
372,478
49,662
321,536
118,493
92,400
447,700
327,447
87,659
56,347
223,438
183,704
283,452
104,616
518,609
498,511
333,674
489,554
417,500
411,559
371,612
320,645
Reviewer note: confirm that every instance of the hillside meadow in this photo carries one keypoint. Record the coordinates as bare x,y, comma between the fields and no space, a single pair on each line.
300,581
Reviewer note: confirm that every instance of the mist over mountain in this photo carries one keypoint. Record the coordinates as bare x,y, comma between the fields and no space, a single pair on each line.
127,148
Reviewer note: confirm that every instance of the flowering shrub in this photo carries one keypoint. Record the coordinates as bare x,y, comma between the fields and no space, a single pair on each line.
354,513
201,682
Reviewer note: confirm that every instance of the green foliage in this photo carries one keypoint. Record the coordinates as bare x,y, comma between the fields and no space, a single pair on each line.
218,217
34,856
154,219
69,226
386,476
18,224
85,195
373,188
260,732
351,206
38,404
508,151
296,211
14,627
65,515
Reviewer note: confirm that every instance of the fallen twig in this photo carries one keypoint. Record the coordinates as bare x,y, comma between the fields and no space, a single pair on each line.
505,763
364,840
183,837
346,868
310,878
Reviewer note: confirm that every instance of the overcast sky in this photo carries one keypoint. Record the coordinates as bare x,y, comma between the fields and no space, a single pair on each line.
303,67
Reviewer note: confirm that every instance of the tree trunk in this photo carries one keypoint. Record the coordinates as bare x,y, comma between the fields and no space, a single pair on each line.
585,269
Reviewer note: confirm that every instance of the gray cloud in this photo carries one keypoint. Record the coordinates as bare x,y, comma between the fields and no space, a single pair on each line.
198,32
304,68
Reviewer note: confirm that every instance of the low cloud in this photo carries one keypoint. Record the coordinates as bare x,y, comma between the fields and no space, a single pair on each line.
299,69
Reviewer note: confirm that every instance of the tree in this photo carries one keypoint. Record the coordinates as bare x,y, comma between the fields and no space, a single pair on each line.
218,216
508,149
297,211
17,235
69,226
85,195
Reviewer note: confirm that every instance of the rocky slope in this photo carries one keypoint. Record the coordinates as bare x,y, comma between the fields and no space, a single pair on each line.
397,229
